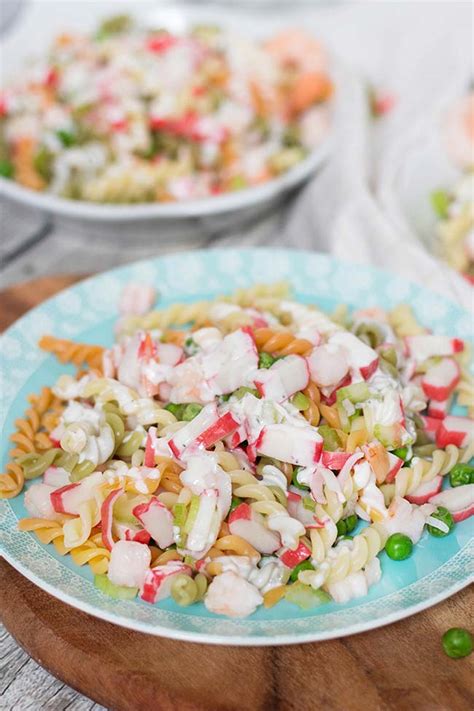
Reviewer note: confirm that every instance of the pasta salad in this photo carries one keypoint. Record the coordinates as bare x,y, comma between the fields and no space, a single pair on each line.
132,114
246,450
454,206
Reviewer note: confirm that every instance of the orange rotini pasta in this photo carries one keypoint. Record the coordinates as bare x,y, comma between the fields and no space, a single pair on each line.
78,354
281,343
312,413
32,435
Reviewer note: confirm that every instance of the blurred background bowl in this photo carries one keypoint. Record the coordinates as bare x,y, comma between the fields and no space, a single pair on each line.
31,34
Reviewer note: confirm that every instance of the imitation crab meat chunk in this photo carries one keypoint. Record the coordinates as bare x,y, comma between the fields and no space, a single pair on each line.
427,346
129,564
68,498
455,430
285,378
249,525
205,429
459,501
156,520
328,364
157,583
440,380
288,443
361,357
230,594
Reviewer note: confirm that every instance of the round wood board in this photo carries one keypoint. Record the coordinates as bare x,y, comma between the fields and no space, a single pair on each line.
401,666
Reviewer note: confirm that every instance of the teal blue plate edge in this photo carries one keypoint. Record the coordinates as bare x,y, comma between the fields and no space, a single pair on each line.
87,310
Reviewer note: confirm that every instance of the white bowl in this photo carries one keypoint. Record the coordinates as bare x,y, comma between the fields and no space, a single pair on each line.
36,28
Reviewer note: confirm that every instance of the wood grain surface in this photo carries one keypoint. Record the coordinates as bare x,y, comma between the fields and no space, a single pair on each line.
395,668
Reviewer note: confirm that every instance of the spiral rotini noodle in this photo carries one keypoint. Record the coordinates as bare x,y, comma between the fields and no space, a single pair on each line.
46,531
408,479
312,413
31,435
281,343
78,354
94,553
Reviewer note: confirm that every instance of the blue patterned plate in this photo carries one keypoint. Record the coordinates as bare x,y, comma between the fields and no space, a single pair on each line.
438,567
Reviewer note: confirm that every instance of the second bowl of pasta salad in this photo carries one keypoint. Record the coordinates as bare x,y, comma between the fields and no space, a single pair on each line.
140,117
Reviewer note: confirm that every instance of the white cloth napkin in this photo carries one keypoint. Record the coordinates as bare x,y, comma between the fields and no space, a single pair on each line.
420,52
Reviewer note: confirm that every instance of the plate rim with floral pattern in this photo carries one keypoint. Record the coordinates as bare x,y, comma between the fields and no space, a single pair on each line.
93,301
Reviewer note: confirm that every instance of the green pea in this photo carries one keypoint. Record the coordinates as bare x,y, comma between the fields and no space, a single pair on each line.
457,643
351,522
304,565
265,360
308,503
295,482
461,474
443,515
300,401
176,410
235,502
191,411
6,169
67,138
399,546
341,528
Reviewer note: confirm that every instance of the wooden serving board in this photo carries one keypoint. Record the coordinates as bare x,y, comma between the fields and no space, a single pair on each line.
399,667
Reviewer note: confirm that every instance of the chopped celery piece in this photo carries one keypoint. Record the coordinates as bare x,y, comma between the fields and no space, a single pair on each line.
309,504
176,410
331,440
300,401
191,411
118,592
357,392
390,355
193,512
388,435
440,201
243,390
189,560
343,417
265,360
179,513
305,597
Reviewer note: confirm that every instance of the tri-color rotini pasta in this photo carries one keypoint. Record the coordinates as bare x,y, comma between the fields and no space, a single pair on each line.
247,450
